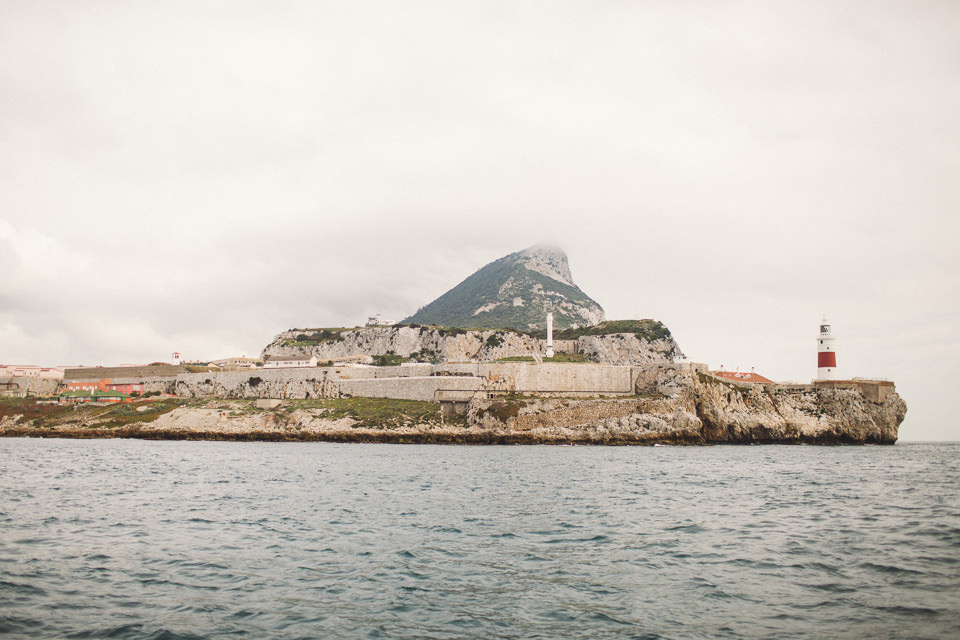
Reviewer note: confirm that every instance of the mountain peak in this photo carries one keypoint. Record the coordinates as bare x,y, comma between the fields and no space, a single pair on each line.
515,292
548,260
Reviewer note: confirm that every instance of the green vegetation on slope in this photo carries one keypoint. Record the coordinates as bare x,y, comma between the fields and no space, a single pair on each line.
375,413
313,337
649,330
456,307
90,415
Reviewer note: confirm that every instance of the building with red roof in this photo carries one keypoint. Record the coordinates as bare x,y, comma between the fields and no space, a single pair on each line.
742,376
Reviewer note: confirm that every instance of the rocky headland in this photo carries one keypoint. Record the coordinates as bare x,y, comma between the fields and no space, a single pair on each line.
609,382
671,404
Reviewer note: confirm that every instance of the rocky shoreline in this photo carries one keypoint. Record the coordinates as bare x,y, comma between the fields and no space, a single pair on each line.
427,436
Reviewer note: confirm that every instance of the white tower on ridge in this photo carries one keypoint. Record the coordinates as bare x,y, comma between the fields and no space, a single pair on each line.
549,335
826,354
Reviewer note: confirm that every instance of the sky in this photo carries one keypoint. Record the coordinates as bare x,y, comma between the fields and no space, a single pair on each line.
199,176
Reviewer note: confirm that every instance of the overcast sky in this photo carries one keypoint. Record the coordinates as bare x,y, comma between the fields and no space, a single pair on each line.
199,176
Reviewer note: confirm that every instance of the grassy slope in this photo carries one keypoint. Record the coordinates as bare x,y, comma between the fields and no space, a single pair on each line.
381,413
649,330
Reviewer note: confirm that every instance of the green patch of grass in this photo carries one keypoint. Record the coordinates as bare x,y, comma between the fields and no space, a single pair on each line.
384,412
313,337
126,414
388,360
376,413
54,415
30,410
560,357
568,357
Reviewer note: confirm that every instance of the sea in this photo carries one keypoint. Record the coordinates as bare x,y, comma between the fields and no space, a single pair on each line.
187,540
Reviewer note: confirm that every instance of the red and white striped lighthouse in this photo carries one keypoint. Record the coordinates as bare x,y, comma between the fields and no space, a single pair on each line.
826,354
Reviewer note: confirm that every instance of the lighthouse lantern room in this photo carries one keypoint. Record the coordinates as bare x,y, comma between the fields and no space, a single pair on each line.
826,353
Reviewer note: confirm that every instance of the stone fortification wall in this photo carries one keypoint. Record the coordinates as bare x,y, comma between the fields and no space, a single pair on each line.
873,390
416,382
99,373
429,388
548,378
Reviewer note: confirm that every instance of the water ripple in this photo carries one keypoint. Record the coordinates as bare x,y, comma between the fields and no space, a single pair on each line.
185,540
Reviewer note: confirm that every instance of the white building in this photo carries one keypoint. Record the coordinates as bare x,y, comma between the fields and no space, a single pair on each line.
289,362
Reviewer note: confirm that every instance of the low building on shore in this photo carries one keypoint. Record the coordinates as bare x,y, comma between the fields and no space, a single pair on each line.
104,385
82,397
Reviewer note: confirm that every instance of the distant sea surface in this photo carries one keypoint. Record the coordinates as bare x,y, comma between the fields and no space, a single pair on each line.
171,540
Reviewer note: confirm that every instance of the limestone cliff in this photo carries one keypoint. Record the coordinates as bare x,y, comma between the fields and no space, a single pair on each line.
434,344
684,406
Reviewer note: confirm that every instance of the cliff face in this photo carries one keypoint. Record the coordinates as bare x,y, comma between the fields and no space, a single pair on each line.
434,344
684,406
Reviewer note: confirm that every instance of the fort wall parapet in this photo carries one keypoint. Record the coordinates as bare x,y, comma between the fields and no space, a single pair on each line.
99,373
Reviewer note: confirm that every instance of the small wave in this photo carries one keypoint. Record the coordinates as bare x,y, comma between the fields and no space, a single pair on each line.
20,589
890,569
910,611
602,617
831,587
11,624
686,528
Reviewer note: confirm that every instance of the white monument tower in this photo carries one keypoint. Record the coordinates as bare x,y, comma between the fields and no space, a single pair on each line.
826,353
549,335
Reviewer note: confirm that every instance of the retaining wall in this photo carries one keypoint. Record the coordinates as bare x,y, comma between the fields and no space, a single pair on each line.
426,388
550,378
98,373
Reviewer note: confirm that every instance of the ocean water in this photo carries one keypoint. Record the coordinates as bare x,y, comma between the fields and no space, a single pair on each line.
168,540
